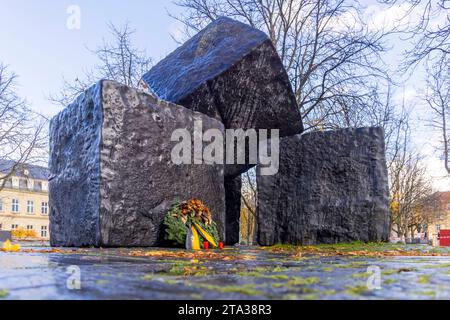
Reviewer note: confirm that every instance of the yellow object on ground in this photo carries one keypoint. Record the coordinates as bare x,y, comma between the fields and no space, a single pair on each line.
206,235
195,240
9,247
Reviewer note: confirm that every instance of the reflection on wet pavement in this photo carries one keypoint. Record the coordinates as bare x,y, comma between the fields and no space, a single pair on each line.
237,273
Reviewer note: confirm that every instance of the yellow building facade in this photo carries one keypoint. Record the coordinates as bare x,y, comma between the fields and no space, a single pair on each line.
24,200
442,218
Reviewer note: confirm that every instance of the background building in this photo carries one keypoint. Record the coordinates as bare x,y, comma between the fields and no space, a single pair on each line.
24,199
441,220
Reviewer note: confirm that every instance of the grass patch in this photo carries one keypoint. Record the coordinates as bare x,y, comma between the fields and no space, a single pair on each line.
438,266
247,289
388,281
331,292
430,294
279,277
362,275
264,272
389,272
295,282
300,281
4,293
352,265
280,269
264,275
310,297
357,290
185,268
424,279
255,274
147,277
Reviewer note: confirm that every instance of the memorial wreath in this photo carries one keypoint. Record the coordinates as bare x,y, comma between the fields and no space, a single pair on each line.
190,222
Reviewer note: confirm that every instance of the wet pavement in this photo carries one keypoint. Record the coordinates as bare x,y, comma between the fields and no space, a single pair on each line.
234,273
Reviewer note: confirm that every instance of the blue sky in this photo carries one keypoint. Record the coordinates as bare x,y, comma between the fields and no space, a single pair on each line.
38,46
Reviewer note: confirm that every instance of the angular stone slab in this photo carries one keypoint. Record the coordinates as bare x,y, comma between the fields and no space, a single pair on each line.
233,209
231,72
331,187
112,180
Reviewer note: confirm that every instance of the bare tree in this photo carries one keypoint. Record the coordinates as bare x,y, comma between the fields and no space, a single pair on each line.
119,60
430,38
412,201
411,192
21,130
247,226
438,100
429,30
249,195
332,55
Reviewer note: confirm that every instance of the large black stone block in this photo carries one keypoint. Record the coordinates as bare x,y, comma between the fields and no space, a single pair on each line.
331,187
231,72
112,179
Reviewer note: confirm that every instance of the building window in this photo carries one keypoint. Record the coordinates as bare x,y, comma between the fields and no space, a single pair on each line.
44,231
1,226
1,205
15,205
30,207
14,227
38,186
23,184
8,183
30,227
438,228
44,208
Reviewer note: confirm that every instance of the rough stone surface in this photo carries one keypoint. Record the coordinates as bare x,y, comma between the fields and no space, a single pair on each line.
331,187
112,178
233,209
231,72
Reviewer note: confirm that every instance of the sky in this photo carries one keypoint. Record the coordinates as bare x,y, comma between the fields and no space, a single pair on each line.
41,49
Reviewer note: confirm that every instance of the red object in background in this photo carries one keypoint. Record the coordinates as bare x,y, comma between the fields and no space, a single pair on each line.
444,239
221,245
206,245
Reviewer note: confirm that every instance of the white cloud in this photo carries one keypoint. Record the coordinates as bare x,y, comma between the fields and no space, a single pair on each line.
436,169
348,20
408,95
377,17
388,17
